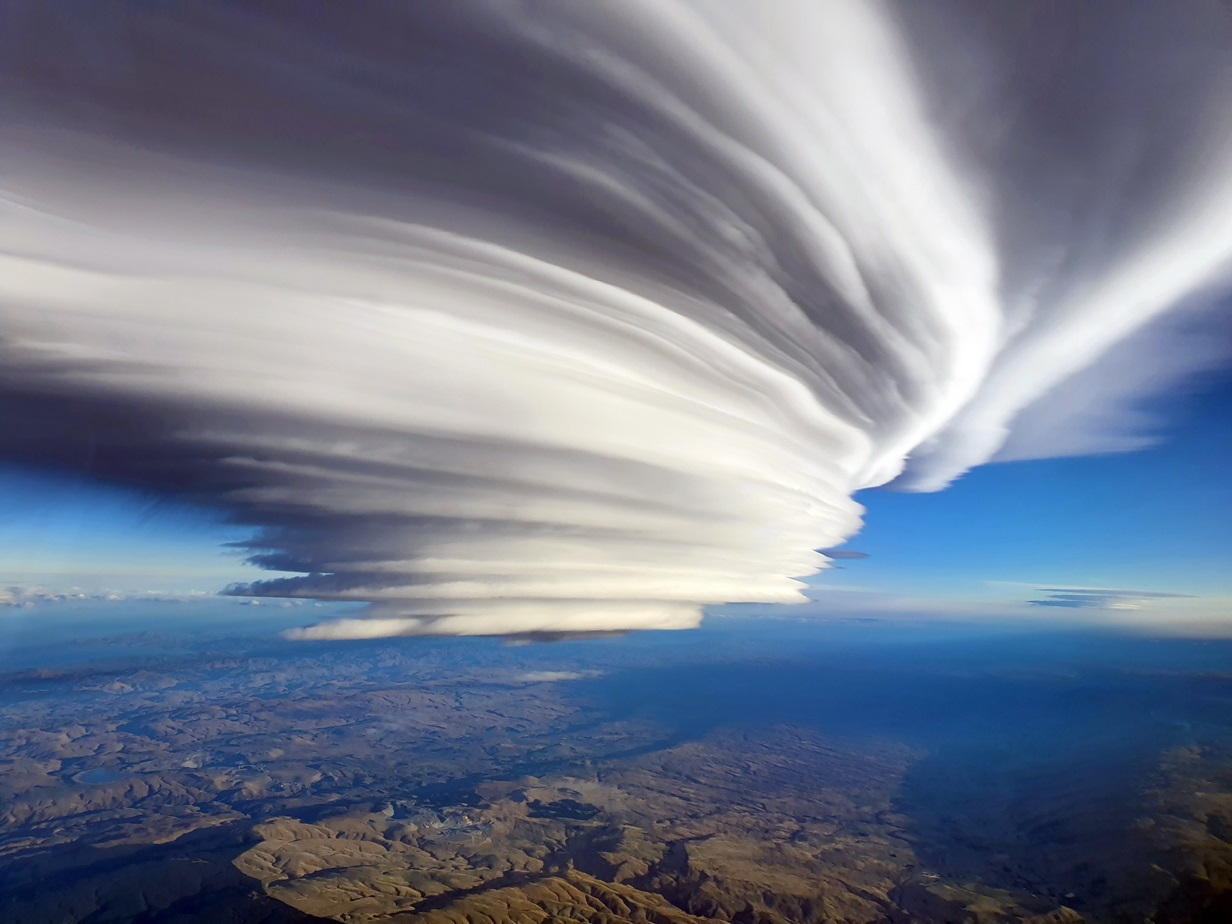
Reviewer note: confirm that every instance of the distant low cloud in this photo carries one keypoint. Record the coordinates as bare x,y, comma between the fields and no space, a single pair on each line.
32,596
1100,598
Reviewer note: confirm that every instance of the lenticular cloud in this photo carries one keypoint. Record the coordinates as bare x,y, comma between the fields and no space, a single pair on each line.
507,317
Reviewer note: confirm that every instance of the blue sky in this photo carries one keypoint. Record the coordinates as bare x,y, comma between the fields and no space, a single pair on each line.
1160,518
60,533
1155,520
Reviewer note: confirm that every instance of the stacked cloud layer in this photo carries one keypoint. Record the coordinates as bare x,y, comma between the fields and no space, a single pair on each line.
562,317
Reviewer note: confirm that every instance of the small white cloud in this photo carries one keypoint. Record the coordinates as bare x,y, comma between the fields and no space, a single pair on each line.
555,676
